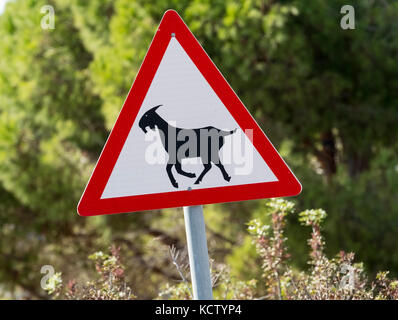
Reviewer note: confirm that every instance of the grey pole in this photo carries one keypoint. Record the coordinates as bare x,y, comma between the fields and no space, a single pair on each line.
198,254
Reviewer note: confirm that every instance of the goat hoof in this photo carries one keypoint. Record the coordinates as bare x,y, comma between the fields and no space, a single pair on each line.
197,182
227,179
175,184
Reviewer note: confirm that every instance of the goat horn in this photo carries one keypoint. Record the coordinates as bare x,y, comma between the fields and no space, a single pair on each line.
155,108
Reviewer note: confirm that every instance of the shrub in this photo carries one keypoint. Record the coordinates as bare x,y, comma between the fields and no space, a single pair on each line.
109,285
336,278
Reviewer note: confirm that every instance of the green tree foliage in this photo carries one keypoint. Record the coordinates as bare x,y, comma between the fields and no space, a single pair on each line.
325,96
51,130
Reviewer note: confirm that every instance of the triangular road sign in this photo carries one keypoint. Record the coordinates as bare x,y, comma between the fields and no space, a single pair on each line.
183,137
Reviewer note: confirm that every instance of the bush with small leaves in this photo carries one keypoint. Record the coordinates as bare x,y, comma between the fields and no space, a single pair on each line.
338,278
109,285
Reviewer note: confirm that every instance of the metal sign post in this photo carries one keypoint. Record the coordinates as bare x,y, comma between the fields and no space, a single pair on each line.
198,254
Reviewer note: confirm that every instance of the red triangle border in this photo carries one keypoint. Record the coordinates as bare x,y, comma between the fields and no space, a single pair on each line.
91,203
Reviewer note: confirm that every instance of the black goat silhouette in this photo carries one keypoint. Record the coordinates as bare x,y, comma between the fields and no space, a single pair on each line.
182,143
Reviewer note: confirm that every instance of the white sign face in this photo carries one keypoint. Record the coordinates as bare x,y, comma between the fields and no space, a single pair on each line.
187,102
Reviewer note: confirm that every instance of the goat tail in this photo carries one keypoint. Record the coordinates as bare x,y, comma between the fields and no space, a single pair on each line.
227,133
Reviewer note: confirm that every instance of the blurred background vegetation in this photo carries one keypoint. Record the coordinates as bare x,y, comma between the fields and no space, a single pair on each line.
326,97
